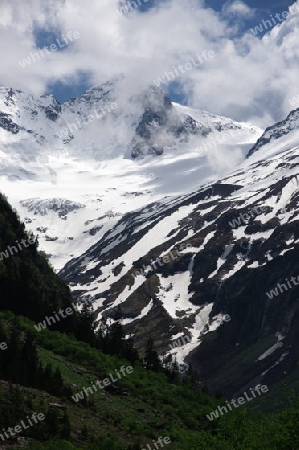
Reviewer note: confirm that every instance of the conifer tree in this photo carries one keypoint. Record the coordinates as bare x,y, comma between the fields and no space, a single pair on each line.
151,358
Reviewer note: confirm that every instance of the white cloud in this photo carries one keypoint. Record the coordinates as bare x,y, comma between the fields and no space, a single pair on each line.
237,8
249,78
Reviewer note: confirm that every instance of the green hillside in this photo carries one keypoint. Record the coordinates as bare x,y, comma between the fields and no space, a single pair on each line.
130,413
54,374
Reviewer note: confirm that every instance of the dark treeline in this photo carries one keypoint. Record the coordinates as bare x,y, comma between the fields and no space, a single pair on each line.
165,403
19,363
29,287
15,405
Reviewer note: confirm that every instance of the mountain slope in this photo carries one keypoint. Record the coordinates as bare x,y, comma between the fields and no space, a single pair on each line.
134,410
72,170
25,273
242,236
276,131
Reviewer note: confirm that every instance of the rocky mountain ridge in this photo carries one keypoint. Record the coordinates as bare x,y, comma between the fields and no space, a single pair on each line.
242,241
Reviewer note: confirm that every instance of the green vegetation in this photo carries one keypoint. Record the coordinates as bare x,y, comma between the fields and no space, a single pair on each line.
40,371
143,405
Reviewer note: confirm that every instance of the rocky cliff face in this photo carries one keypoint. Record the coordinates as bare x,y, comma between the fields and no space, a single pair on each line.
106,150
170,266
161,125
243,242
276,131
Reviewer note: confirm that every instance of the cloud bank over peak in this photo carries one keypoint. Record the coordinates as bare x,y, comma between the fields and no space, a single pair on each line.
251,78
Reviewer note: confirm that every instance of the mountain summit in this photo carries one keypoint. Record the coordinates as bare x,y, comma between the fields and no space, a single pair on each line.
73,169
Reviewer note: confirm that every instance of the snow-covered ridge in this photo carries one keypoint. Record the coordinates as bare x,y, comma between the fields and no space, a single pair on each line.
126,189
277,131
59,205
190,294
140,152
147,123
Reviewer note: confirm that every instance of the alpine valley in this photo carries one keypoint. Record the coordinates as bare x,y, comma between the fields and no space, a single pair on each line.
112,195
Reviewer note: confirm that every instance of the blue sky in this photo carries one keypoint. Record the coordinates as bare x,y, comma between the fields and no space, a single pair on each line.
264,6
252,78
63,92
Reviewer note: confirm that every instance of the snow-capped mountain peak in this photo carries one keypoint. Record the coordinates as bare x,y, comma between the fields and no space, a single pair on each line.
277,131
108,151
